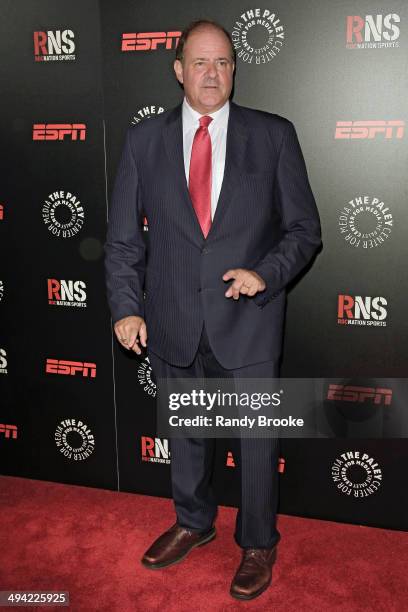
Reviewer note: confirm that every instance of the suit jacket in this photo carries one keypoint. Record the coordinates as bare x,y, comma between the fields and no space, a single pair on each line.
266,220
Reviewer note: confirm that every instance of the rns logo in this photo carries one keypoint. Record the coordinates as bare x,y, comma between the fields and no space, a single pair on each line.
3,361
54,45
155,450
360,310
372,31
66,293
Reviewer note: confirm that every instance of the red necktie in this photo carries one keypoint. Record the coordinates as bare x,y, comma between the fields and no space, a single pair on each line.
199,183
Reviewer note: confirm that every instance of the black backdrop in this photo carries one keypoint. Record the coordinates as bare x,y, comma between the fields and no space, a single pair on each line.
324,63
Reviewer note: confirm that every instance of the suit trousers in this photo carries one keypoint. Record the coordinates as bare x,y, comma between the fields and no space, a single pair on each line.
192,462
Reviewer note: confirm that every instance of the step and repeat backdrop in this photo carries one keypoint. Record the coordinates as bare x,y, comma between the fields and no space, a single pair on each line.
75,407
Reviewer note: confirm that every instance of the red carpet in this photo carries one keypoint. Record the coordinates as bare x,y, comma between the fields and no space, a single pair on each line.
89,541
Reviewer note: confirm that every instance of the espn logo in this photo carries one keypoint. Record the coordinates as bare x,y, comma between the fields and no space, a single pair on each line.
155,450
58,131
9,431
367,130
358,395
70,368
231,462
149,41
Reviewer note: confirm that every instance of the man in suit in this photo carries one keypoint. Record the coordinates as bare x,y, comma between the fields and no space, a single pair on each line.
232,220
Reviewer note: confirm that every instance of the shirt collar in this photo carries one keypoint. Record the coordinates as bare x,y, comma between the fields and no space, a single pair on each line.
191,117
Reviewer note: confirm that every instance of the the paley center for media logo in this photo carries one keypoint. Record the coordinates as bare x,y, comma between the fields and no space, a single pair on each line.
66,367
74,439
54,45
356,474
63,214
150,41
59,131
365,222
66,292
155,450
258,36
392,129
146,112
361,310
372,31
145,377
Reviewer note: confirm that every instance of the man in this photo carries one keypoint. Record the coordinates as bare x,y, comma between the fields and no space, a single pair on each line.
232,220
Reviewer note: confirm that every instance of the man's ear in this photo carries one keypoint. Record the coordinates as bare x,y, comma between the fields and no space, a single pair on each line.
178,69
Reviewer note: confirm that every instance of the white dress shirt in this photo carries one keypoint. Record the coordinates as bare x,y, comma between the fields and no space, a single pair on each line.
218,134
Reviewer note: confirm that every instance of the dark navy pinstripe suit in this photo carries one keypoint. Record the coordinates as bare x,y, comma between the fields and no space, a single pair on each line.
266,220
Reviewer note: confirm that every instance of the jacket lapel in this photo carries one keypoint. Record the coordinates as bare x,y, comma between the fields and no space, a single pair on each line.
237,137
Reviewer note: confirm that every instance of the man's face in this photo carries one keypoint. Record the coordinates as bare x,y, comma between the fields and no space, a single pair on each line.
206,70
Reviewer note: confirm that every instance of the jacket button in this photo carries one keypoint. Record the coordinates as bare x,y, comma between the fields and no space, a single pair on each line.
205,251
199,290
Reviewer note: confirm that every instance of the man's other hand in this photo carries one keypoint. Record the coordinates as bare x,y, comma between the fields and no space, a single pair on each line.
130,331
246,282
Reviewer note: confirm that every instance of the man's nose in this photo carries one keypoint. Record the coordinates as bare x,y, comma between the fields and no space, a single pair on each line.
212,70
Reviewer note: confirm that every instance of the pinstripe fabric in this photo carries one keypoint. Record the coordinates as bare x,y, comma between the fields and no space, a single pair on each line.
192,462
266,220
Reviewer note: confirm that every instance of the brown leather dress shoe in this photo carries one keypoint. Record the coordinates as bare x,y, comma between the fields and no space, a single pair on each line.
254,574
173,545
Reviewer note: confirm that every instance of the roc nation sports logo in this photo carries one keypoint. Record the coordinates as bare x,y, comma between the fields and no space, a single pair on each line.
258,36
360,310
356,474
59,131
372,31
66,293
155,450
359,395
150,41
365,222
54,45
63,214
146,112
8,431
70,368
367,130
74,439
3,361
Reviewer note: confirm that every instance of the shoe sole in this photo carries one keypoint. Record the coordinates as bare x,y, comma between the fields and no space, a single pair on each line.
256,594
154,566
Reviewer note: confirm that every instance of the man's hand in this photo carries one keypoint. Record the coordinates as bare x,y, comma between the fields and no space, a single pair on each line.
130,331
246,282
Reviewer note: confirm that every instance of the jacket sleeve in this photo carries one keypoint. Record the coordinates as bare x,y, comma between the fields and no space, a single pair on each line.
125,246
300,221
